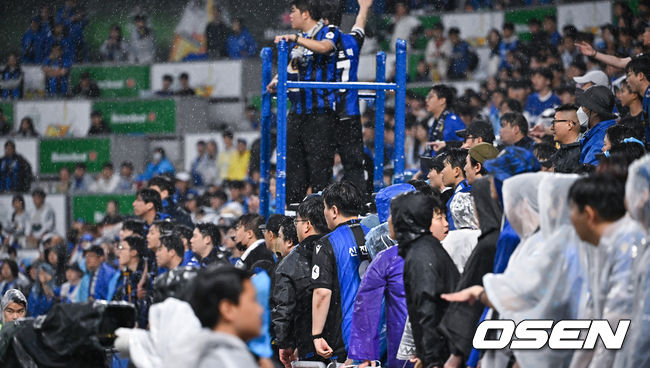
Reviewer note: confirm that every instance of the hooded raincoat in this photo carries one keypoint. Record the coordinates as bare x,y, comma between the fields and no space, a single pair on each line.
11,295
378,238
636,349
428,272
461,319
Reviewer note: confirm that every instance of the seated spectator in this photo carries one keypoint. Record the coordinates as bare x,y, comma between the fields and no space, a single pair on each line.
158,165
42,219
185,90
107,181
566,132
98,125
216,35
241,43
15,172
5,127
169,254
11,277
238,167
81,180
127,180
403,23
166,90
477,132
143,48
42,295
13,306
96,279
459,63
26,129
33,43
225,157
543,98
184,189
438,51
69,291
115,48
56,69
86,87
64,184
632,101
15,229
11,79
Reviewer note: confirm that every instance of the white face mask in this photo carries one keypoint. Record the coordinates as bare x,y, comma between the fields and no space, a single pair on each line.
157,156
583,118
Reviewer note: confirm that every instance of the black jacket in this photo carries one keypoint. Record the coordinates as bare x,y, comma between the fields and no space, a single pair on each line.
459,322
260,257
176,213
567,158
15,174
428,272
291,299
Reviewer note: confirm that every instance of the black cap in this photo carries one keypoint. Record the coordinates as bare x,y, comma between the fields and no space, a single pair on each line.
598,99
478,128
95,249
74,267
428,163
273,223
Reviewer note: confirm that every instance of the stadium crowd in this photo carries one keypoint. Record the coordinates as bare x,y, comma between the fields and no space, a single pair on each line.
527,200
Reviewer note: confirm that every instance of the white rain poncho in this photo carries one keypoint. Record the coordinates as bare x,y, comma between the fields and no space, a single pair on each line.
611,294
459,243
11,295
546,278
636,349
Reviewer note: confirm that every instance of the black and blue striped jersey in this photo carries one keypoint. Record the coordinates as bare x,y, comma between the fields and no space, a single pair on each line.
347,66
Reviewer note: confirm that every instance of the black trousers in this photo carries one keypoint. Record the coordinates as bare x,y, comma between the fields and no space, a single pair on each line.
349,145
310,153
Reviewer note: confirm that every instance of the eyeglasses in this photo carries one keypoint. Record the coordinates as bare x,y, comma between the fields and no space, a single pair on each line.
296,221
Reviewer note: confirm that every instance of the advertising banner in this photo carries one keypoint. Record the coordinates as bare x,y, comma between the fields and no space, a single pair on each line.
8,111
92,207
56,153
218,79
139,117
56,118
115,81
584,16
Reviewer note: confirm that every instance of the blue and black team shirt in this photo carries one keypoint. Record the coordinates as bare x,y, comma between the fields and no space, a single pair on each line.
347,65
444,128
307,66
335,266
57,85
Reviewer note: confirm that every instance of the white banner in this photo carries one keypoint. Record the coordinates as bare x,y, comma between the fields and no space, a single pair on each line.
56,201
192,139
474,25
28,148
368,66
218,79
56,118
584,16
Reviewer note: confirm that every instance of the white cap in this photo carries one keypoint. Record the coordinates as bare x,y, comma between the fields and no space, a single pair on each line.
183,176
596,77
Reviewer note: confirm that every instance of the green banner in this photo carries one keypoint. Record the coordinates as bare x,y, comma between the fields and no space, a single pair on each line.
521,17
139,117
8,111
92,208
115,81
56,153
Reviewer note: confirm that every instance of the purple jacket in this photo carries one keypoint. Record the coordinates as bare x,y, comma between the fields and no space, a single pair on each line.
383,279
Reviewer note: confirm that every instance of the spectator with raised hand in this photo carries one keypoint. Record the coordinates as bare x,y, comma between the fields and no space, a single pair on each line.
587,49
11,79
115,48
241,43
15,172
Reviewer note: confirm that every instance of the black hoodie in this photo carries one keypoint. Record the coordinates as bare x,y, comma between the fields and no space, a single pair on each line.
428,272
460,321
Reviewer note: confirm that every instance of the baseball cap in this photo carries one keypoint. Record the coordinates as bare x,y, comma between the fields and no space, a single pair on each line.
273,223
183,176
478,128
429,163
599,99
596,77
483,151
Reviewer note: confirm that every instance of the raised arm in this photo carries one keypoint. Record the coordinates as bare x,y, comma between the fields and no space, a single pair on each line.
362,17
587,50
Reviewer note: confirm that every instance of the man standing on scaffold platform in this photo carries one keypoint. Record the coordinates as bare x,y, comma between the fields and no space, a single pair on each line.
310,137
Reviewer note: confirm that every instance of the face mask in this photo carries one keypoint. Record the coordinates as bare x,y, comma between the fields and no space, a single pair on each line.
157,156
583,118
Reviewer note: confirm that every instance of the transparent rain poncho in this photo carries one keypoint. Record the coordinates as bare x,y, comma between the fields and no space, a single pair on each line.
546,277
636,349
611,287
